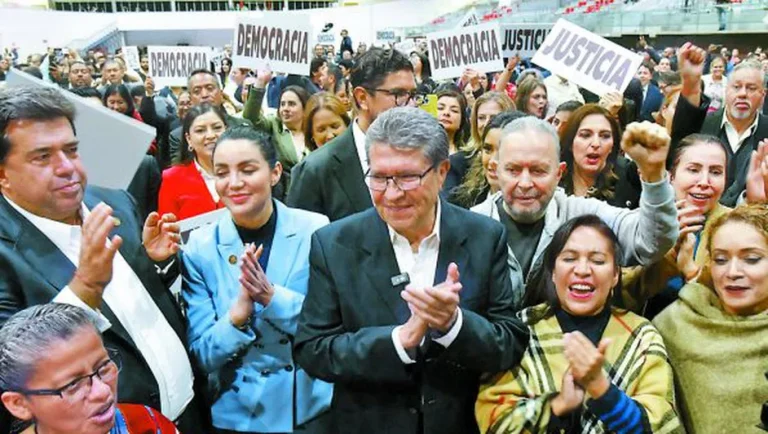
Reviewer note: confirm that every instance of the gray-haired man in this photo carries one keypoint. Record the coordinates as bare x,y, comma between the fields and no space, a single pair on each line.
410,301
532,207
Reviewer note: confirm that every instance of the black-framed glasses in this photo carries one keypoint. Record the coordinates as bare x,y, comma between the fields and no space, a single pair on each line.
402,96
403,182
79,388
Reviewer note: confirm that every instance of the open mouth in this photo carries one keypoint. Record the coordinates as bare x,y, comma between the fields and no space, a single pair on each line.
736,289
581,290
593,159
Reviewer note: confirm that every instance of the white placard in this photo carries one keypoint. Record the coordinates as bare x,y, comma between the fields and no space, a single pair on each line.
588,60
406,46
388,36
476,47
216,60
326,39
131,55
469,19
523,39
112,144
171,66
280,43
186,226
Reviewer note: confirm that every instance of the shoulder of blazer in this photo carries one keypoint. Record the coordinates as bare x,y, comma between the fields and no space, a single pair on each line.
351,229
181,173
301,220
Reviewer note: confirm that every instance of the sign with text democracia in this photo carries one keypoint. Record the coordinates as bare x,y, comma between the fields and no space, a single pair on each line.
523,39
588,60
279,43
475,47
171,66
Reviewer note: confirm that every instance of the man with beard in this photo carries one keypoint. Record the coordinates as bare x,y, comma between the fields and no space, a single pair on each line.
330,180
739,124
532,207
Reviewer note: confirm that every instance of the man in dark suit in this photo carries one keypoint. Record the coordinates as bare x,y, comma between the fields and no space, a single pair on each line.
330,180
203,86
63,242
408,302
739,124
652,96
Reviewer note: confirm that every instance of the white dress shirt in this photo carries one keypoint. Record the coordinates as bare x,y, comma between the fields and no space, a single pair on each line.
421,266
359,136
210,181
735,140
560,91
137,312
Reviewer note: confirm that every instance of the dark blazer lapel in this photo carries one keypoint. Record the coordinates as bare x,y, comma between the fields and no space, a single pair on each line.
349,172
381,264
453,237
713,125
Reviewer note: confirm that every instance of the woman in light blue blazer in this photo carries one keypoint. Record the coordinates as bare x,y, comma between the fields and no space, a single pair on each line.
242,319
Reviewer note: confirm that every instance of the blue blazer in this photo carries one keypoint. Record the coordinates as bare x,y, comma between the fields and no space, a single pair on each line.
652,103
251,374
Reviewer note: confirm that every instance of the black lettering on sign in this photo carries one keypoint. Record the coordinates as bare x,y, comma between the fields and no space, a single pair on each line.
270,43
523,39
465,49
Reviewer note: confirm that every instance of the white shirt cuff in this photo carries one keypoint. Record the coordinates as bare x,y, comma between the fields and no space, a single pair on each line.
449,337
401,352
66,296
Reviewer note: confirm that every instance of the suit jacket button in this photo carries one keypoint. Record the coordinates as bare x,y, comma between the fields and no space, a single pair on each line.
284,341
289,368
265,372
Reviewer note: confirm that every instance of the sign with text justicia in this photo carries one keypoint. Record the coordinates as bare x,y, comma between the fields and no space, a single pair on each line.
587,59
278,43
474,47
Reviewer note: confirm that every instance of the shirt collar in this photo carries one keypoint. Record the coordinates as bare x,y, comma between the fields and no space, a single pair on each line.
751,127
359,136
202,171
394,236
60,233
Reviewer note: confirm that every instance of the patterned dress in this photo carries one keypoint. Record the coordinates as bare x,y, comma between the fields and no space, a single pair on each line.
518,401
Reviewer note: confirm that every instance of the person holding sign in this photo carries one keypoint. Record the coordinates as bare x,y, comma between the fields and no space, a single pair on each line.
331,180
245,278
188,188
590,367
532,208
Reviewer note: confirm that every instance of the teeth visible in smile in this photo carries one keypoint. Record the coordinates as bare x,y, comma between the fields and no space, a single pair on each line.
582,287
699,196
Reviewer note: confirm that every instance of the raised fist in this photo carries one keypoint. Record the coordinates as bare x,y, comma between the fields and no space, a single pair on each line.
647,144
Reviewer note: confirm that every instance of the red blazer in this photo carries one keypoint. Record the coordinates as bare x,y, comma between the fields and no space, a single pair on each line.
183,193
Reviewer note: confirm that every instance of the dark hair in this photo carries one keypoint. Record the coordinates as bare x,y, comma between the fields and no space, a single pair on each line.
525,89
569,106
462,135
299,91
544,289
335,71
86,92
373,67
633,102
33,71
77,62
426,68
671,78
261,139
316,64
347,63
138,90
205,71
185,155
692,140
35,103
122,90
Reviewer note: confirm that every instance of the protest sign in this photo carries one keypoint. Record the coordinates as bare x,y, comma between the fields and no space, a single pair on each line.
588,60
279,43
171,66
406,46
326,39
523,39
476,47
112,144
216,60
386,36
469,19
131,55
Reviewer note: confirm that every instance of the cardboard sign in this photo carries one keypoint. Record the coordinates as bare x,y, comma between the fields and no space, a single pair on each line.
476,47
588,60
171,66
112,144
280,43
131,55
523,39
386,36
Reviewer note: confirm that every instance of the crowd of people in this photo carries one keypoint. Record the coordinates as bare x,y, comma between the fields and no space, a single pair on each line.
524,257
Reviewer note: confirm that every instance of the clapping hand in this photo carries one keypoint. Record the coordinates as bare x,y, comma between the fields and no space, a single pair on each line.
437,306
161,236
757,176
587,362
253,278
570,398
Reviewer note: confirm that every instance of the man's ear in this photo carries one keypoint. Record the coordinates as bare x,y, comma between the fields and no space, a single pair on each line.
17,405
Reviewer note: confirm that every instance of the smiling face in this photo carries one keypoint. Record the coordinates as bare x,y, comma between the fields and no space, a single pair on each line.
326,125
203,134
449,114
585,272
291,110
592,145
717,68
699,175
664,65
740,268
116,103
644,75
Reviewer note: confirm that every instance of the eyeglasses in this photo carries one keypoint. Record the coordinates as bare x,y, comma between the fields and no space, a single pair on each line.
403,182
78,389
402,97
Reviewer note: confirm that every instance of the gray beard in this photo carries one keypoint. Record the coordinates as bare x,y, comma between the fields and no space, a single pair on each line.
525,217
738,114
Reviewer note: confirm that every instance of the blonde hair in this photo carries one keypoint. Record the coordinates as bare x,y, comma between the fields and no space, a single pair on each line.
317,102
755,215
500,98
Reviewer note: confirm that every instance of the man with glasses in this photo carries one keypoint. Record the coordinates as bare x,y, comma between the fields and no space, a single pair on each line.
330,180
739,124
409,302
64,241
